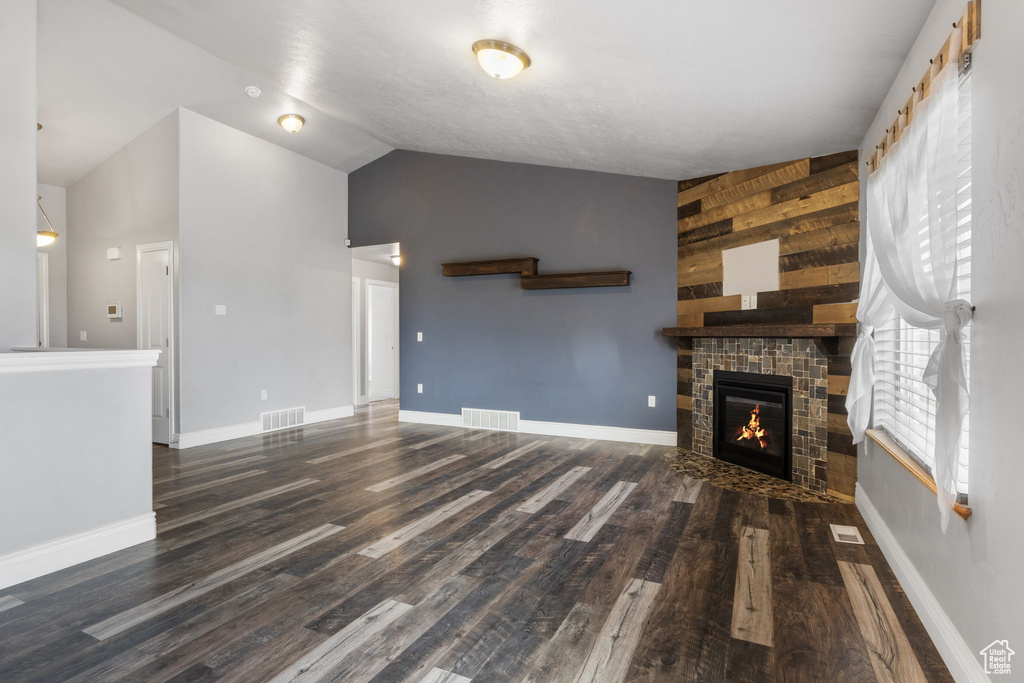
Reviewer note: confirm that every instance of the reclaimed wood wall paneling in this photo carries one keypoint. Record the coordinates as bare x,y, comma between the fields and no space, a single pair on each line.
811,206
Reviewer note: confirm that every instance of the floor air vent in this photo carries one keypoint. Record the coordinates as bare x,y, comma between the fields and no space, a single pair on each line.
503,420
846,534
283,419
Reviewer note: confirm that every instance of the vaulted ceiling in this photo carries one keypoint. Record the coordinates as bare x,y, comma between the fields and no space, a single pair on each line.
662,88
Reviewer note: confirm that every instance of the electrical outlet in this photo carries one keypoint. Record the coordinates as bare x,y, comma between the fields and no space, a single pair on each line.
419,336
650,401
745,302
81,336
419,388
263,395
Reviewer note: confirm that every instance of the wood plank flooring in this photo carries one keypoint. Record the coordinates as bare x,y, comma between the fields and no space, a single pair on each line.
367,550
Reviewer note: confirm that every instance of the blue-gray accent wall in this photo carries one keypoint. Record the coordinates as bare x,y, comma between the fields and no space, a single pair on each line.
584,356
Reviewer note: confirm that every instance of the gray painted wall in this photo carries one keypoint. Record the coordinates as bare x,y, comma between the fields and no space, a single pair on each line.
50,490
129,199
17,174
974,569
55,202
586,356
262,231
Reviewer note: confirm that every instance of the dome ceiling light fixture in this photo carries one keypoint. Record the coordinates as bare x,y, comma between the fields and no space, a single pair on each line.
500,59
291,122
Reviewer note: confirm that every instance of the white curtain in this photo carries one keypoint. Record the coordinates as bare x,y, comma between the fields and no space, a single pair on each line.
874,309
912,267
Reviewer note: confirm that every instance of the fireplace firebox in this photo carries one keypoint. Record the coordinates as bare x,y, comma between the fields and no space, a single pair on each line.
753,421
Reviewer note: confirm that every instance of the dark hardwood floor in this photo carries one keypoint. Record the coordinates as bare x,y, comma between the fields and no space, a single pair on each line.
368,550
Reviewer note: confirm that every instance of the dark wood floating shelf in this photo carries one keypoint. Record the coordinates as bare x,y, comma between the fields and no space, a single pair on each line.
526,265
778,330
609,278
526,268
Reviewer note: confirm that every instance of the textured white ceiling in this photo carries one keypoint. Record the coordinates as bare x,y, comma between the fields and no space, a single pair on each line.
664,88
105,75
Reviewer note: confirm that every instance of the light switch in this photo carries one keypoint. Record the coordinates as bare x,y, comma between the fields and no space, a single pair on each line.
220,309
263,394
419,336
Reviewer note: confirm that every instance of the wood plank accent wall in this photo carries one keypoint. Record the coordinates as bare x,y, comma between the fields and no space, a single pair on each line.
809,205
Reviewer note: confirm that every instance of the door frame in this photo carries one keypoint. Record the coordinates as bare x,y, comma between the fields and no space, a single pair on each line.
43,300
366,302
140,249
357,345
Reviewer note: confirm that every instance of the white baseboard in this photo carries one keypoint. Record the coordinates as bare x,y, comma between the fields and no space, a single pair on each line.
61,553
627,434
208,436
313,416
443,419
962,662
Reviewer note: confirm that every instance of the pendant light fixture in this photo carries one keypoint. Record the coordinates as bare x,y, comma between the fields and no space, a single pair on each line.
45,237
500,59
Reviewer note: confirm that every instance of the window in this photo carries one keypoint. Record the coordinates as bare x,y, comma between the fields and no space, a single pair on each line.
904,405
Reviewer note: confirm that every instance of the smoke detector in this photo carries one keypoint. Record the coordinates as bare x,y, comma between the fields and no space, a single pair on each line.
252,91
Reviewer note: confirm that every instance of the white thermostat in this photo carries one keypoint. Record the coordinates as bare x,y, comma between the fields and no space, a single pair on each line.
114,254
114,311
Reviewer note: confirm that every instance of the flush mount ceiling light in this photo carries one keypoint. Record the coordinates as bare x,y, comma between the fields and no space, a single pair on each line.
45,237
500,59
291,122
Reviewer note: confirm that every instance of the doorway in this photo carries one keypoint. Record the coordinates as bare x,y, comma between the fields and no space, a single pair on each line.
42,300
375,322
381,341
155,294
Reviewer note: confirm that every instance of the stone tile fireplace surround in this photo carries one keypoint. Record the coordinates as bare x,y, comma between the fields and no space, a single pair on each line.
796,358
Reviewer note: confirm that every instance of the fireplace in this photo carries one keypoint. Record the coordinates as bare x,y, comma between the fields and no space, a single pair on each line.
753,421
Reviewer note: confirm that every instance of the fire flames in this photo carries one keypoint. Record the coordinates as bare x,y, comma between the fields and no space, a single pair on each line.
753,431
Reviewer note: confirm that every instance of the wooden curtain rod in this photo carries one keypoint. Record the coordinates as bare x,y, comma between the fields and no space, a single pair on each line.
970,22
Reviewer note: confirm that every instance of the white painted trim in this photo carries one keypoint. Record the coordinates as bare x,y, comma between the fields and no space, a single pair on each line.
218,434
34,360
43,299
357,345
959,658
442,419
313,416
627,434
140,249
30,563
